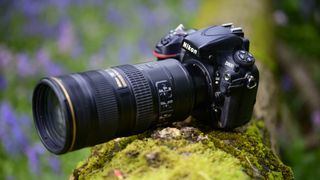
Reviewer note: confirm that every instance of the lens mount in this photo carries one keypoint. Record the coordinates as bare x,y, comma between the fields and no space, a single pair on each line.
54,115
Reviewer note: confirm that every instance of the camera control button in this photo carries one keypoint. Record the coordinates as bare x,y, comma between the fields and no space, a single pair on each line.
241,56
244,58
165,40
250,59
243,52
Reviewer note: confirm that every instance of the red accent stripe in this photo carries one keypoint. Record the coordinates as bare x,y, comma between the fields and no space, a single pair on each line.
163,56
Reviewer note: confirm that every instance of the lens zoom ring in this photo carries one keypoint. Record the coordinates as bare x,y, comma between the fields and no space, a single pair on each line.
143,96
105,100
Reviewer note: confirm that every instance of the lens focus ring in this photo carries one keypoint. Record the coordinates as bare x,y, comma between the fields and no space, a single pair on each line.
143,96
106,104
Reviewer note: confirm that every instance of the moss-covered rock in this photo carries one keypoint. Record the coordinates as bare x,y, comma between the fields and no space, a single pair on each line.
190,151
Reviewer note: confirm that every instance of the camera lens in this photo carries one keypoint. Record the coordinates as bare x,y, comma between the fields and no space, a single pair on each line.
56,118
84,109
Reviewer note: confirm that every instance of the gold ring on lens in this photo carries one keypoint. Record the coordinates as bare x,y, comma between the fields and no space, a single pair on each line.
71,109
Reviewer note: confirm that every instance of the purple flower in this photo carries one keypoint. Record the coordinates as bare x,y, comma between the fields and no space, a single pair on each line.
163,17
125,54
114,16
50,67
66,38
190,5
3,82
8,116
55,165
53,69
5,57
9,177
315,117
13,137
24,65
96,61
62,5
280,18
31,8
7,120
77,50
146,16
144,48
19,137
33,160
25,121
39,148
35,27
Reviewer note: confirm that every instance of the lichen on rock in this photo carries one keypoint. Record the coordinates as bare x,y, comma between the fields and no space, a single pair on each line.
190,151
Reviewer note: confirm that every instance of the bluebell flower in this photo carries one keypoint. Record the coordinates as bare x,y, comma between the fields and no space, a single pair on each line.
5,57
24,65
96,61
25,121
9,177
144,48
146,16
66,37
35,27
13,130
33,160
62,5
55,165
163,16
190,5
114,16
51,68
125,54
3,82
77,50
7,120
39,148
31,8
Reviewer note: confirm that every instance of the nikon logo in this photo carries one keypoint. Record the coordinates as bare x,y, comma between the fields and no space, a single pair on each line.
189,48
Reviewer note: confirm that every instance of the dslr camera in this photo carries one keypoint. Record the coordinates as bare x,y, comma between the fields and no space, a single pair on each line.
207,73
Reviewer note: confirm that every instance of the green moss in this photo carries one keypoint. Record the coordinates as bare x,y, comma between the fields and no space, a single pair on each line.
257,158
167,159
193,153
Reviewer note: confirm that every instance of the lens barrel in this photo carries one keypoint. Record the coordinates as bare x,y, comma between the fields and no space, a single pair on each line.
84,109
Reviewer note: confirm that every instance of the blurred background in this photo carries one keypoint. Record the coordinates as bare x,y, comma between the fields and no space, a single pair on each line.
52,37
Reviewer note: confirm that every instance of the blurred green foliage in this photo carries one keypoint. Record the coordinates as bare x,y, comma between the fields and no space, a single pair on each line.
44,38
299,27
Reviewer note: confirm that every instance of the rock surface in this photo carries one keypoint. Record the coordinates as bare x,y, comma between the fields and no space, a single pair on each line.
186,151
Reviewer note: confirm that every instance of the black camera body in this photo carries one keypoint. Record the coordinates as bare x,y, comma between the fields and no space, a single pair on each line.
223,71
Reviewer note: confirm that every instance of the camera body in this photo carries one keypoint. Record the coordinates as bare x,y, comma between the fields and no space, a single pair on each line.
224,73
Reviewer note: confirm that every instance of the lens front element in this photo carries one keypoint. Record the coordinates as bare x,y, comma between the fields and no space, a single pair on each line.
56,123
51,116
